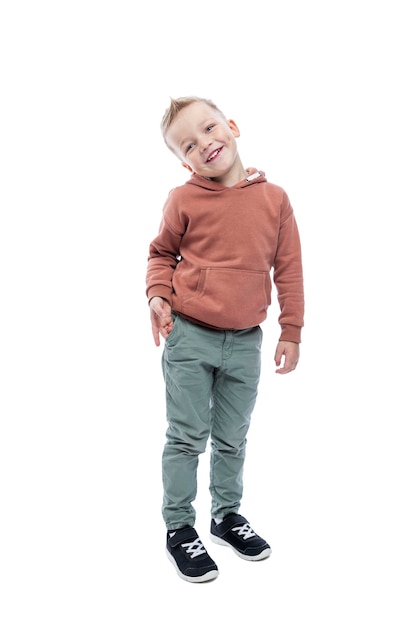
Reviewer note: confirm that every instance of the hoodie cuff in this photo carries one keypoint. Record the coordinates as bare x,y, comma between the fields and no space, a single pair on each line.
162,292
291,333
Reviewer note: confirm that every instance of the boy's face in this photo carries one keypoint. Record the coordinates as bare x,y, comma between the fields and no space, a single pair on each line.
206,143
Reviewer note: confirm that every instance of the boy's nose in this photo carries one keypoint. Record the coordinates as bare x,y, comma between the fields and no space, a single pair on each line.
204,143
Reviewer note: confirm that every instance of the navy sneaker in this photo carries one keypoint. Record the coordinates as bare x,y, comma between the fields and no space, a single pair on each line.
186,552
234,531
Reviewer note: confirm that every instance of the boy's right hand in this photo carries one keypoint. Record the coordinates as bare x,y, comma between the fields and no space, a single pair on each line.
161,319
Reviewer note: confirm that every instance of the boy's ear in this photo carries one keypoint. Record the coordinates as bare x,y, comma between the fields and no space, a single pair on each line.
187,167
233,127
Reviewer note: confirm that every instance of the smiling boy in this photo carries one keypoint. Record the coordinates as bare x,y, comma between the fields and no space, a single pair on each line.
205,142
208,285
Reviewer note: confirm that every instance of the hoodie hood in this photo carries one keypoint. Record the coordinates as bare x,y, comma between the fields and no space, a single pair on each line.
254,176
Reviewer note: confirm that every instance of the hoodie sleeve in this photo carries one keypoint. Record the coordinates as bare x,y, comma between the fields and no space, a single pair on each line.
288,276
164,254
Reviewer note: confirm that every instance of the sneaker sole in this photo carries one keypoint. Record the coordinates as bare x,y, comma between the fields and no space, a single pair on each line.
211,575
255,557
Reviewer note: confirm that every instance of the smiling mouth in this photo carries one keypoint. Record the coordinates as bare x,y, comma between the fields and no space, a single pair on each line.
213,154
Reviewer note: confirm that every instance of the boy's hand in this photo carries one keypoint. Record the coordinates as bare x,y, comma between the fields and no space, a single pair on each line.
286,356
161,319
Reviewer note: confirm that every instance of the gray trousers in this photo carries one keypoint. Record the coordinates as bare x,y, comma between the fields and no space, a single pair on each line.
211,378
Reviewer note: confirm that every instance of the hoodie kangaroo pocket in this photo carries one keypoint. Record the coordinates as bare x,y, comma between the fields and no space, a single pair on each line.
230,298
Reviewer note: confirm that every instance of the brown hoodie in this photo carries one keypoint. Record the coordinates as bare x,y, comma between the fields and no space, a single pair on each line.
215,250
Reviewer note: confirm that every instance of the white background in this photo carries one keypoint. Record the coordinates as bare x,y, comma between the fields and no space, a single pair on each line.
324,95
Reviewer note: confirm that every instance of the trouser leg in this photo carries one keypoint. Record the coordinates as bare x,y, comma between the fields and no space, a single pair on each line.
234,396
188,372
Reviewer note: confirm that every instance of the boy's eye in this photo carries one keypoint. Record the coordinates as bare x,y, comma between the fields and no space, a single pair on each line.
188,147
210,127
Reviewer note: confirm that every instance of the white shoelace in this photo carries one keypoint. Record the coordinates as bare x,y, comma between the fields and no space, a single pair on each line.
194,548
244,531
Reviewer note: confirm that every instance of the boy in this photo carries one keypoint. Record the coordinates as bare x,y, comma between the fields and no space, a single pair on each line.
209,287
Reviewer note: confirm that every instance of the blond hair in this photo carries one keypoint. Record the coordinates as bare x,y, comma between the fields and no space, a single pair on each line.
177,104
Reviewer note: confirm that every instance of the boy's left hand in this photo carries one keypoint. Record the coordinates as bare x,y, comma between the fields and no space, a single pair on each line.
286,356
